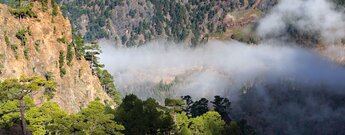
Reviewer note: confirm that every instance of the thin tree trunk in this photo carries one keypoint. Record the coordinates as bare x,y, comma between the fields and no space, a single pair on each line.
22,111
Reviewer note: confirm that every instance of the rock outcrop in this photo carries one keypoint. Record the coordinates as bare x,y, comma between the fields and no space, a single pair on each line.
45,36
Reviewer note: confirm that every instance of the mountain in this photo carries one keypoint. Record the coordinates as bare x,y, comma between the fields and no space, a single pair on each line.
134,22
41,44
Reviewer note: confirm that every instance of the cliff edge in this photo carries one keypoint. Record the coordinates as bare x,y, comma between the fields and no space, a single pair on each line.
38,46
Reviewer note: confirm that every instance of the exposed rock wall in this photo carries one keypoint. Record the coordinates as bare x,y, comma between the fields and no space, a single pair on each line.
40,55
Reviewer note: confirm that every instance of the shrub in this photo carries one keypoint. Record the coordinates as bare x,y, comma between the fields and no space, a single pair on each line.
15,49
62,40
44,4
107,82
55,8
26,53
1,67
49,76
62,72
61,64
38,44
7,40
21,36
24,11
79,46
69,55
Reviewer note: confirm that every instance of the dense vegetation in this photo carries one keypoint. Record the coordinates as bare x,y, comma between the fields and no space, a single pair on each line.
191,20
14,98
133,116
23,9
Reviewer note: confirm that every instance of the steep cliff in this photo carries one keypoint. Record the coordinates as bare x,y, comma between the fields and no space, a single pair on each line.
33,46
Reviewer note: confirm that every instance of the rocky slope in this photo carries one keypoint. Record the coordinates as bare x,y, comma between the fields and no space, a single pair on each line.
32,46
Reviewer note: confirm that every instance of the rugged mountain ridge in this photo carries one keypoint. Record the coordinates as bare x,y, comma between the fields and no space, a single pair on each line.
32,46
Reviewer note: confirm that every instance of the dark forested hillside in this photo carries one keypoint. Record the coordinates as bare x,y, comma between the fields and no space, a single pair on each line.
133,22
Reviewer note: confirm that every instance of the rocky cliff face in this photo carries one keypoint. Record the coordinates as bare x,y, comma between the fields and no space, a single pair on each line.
32,46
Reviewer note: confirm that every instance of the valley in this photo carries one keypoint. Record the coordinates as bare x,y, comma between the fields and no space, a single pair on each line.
186,67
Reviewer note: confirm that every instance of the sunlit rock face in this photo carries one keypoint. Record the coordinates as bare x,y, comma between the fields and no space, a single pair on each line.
77,88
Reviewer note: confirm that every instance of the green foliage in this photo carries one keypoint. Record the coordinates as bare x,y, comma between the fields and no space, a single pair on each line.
189,102
1,67
62,64
176,104
143,117
49,91
7,40
18,88
15,50
21,36
209,123
9,111
248,37
79,45
107,82
55,8
97,19
133,116
175,20
185,131
94,120
61,59
14,93
23,11
1,63
199,107
62,40
182,123
38,44
91,55
26,53
47,119
222,106
49,76
70,55
50,119
44,4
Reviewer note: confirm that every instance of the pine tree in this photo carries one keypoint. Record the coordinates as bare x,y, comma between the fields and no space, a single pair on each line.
16,90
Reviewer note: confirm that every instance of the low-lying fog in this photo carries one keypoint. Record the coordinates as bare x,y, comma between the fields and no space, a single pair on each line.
277,86
278,89
216,68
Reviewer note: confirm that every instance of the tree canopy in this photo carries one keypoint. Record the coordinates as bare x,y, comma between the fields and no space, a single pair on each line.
133,116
